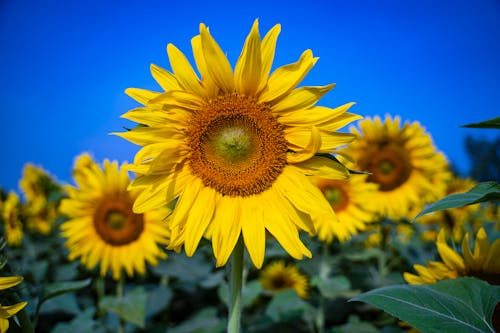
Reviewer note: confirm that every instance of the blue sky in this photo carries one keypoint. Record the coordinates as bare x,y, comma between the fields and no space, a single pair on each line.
64,66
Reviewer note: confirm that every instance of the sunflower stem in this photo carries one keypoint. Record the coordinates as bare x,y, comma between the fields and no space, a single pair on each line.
100,292
236,286
324,271
120,287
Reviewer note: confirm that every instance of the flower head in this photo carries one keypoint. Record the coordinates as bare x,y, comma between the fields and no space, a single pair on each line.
233,149
478,261
102,228
13,228
7,311
278,276
39,210
350,200
402,160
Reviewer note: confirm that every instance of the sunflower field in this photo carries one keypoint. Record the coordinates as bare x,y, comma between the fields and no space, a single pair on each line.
249,207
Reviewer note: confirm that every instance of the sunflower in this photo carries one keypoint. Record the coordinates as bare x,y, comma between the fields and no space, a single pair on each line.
234,148
278,276
39,210
480,262
13,228
350,200
402,160
7,311
102,226
453,220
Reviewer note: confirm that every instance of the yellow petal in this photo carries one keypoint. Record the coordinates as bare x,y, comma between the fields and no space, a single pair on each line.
143,136
491,263
10,281
142,96
482,247
183,71
301,98
165,79
306,197
323,167
208,83
300,137
199,218
247,73
227,228
308,151
218,66
10,310
253,229
268,47
179,98
286,233
286,78
452,259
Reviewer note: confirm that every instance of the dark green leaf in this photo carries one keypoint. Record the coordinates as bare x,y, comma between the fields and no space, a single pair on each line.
251,291
83,323
205,321
482,192
131,307
286,305
354,325
158,299
459,305
332,287
59,288
492,123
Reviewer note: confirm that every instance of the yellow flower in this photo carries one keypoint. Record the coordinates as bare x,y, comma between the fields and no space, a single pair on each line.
13,228
451,220
480,261
103,228
277,276
350,200
7,311
235,148
37,186
402,160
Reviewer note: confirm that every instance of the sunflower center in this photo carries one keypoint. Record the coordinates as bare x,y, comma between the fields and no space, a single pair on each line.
115,222
237,146
389,165
280,282
336,194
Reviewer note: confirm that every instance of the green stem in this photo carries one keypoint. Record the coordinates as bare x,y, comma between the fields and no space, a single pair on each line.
236,286
100,289
119,293
324,270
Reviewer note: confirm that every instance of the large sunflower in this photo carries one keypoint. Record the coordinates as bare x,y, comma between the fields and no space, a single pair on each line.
12,226
351,202
234,148
102,226
278,276
402,160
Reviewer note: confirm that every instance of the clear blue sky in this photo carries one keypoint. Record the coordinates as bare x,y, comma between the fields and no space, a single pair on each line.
64,65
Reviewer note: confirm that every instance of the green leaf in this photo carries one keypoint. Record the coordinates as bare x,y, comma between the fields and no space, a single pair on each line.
205,321
59,288
486,191
332,287
286,305
249,294
458,305
492,123
131,307
83,323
